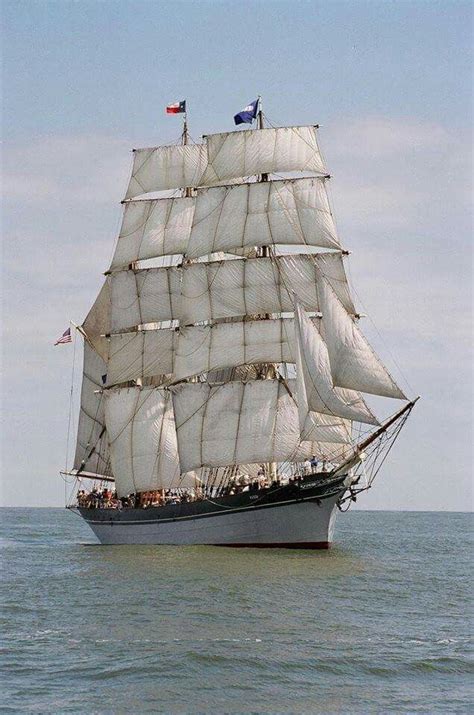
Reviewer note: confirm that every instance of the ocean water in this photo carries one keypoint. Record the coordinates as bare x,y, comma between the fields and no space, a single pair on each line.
382,623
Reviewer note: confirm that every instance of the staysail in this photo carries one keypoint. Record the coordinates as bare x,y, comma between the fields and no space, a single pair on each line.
314,376
92,448
353,362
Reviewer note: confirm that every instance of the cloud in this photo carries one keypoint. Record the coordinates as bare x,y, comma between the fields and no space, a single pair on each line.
394,174
67,169
386,138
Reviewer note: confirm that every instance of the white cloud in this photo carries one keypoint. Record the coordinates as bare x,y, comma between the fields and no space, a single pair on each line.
386,138
394,174
66,169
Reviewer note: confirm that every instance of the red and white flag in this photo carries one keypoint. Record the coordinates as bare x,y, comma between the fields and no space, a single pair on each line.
176,108
65,338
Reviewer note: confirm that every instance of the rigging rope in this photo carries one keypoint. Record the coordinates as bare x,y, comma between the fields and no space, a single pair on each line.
70,411
71,397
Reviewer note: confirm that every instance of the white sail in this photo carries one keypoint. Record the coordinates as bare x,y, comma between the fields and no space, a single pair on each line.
202,348
142,434
240,423
145,353
152,228
92,449
144,296
246,153
262,285
314,381
166,167
353,362
294,211
97,322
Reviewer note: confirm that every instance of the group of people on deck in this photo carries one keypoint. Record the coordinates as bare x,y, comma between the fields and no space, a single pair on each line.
108,499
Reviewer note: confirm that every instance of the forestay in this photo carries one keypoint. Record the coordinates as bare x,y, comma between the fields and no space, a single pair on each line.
92,449
142,434
314,382
240,423
353,362
166,167
145,353
226,289
295,211
246,153
152,228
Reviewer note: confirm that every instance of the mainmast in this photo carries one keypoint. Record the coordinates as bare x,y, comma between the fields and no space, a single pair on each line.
263,177
269,371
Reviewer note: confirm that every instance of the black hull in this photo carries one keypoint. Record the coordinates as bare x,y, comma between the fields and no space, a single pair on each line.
313,487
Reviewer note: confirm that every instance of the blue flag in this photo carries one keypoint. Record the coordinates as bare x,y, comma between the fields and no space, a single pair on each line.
247,115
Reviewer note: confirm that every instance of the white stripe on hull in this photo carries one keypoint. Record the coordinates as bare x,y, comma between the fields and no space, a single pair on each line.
298,523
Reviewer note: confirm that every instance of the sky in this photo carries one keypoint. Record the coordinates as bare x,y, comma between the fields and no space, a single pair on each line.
390,83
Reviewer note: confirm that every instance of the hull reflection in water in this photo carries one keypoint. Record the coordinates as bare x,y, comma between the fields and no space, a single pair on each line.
295,516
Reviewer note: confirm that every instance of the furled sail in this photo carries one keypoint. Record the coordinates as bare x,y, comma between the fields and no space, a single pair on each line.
240,154
314,379
240,423
294,211
226,289
152,228
92,449
142,435
140,354
166,167
144,296
353,362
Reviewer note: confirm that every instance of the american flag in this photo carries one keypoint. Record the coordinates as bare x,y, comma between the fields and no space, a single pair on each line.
65,338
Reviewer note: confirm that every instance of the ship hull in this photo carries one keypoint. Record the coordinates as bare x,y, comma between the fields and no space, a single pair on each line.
278,520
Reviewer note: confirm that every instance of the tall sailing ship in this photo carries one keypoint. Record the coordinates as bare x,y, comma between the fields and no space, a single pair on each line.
223,359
